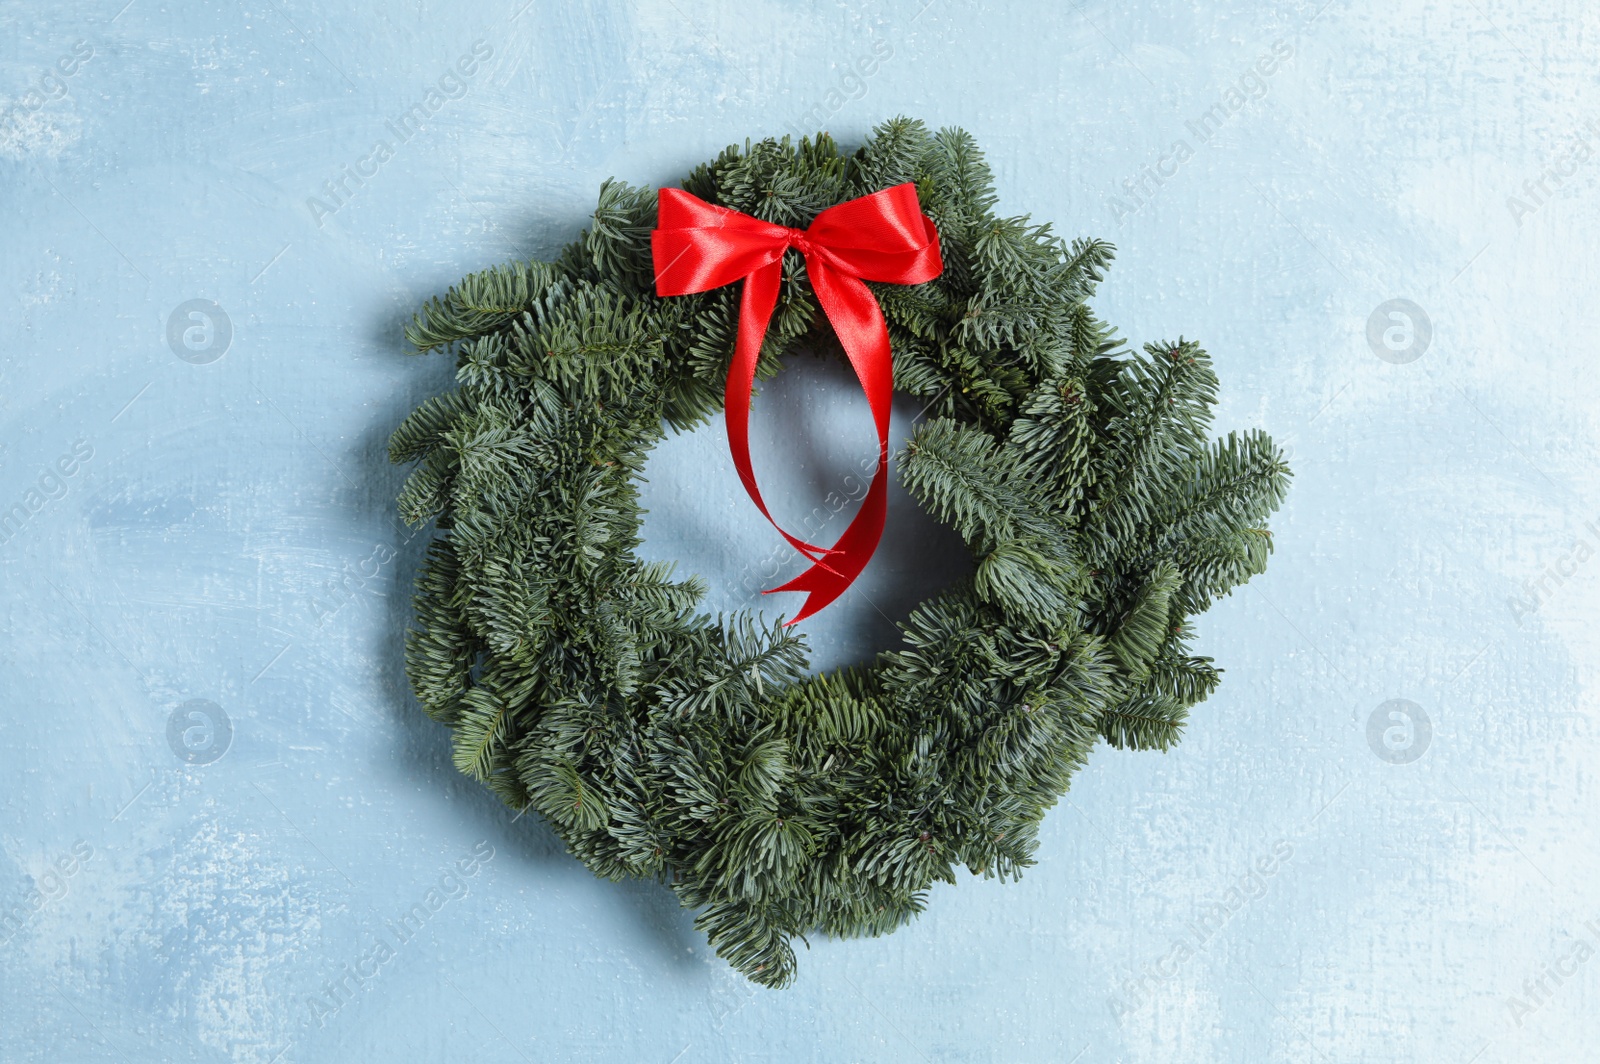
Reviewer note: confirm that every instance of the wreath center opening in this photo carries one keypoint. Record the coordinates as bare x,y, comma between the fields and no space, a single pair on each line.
814,453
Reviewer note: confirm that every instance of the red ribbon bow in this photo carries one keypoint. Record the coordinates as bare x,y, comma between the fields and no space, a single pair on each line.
882,237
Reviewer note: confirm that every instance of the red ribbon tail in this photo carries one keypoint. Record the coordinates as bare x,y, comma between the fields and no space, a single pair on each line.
760,295
823,583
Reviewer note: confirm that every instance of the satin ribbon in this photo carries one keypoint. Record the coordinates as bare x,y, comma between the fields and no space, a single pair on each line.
698,246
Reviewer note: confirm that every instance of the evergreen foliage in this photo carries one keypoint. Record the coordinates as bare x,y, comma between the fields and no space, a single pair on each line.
664,744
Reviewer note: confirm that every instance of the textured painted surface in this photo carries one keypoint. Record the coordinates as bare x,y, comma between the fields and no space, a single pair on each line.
225,536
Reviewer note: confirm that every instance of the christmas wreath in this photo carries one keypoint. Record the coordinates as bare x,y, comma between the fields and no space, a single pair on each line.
661,743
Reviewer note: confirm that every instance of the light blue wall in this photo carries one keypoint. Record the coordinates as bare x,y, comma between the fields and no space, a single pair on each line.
1414,901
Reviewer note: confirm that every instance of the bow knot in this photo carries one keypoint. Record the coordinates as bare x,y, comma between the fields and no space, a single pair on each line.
698,246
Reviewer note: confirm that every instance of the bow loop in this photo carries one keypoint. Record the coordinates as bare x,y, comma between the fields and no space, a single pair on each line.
698,246
887,239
